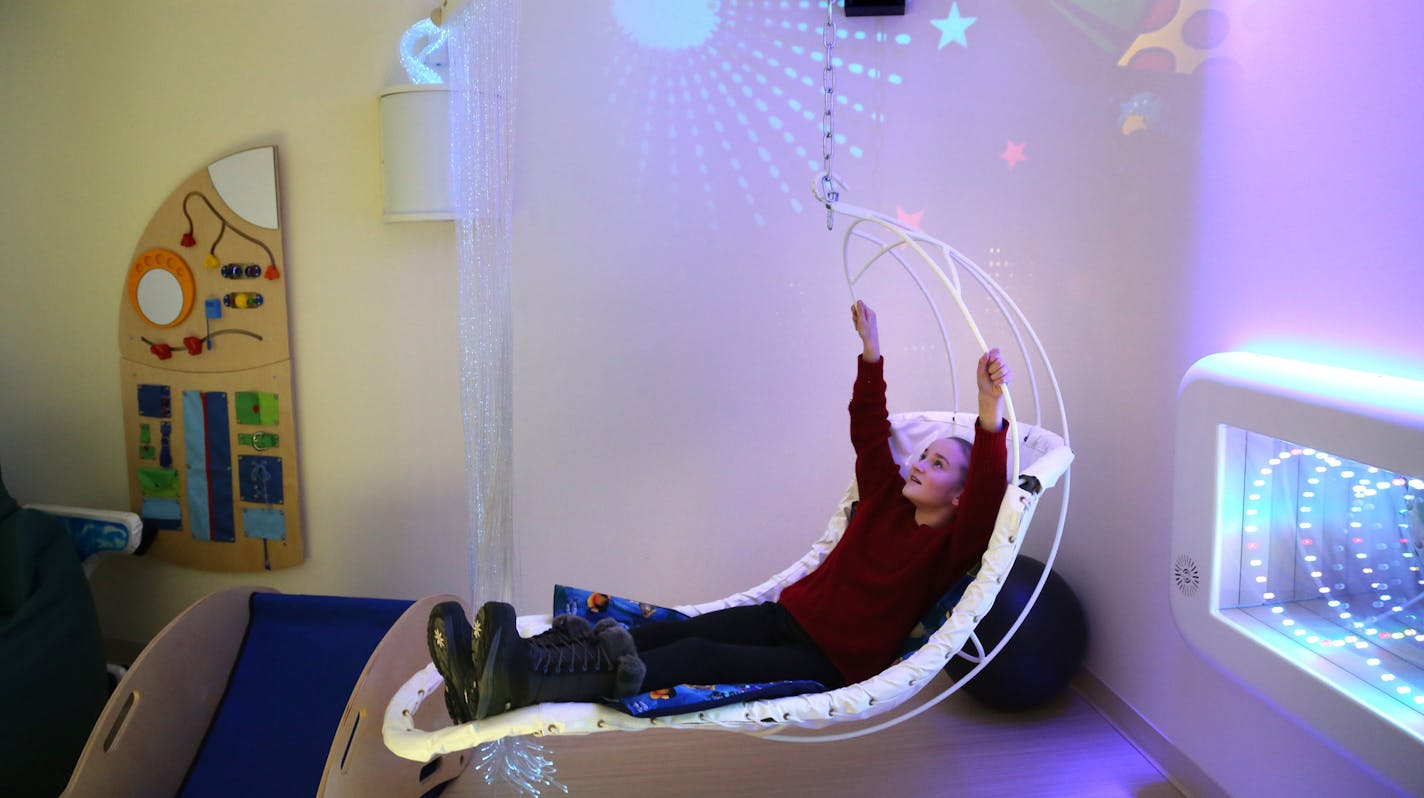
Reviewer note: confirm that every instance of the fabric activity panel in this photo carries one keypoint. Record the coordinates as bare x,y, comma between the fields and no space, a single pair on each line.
207,377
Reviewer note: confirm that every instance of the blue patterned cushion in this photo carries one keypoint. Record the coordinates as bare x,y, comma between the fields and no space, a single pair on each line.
693,698
674,700
934,618
597,606
697,697
92,536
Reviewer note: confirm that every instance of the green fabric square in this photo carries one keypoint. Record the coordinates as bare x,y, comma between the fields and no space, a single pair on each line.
159,483
256,407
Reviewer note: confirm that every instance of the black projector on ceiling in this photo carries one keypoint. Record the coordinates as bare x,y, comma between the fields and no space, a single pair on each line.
874,8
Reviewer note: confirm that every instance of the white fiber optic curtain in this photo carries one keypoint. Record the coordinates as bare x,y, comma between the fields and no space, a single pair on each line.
483,59
483,44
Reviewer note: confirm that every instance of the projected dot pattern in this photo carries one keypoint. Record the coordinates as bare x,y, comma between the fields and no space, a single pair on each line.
733,89
1330,558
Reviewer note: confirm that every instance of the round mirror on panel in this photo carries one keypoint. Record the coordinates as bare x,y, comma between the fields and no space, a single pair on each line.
161,288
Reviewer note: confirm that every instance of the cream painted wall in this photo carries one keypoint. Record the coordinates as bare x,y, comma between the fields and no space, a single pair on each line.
682,351
109,106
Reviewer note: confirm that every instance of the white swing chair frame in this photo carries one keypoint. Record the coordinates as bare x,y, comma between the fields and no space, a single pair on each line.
901,681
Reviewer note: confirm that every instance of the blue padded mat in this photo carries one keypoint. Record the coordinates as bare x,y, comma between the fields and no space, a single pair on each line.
294,674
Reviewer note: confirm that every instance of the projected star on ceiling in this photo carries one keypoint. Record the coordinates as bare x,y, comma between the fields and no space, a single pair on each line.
910,220
952,27
1013,153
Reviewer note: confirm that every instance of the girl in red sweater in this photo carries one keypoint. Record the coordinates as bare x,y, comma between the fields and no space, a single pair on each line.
907,542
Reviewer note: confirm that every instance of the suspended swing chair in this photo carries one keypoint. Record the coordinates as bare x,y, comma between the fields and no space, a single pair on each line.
1038,459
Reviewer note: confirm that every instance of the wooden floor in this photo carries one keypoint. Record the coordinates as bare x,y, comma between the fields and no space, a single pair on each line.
955,749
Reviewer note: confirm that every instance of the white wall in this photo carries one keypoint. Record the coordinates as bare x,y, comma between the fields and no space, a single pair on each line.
682,355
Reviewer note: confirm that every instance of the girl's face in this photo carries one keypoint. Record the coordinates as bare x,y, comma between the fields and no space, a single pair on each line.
937,478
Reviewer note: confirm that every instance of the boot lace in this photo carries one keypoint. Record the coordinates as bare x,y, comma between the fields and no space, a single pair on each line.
556,651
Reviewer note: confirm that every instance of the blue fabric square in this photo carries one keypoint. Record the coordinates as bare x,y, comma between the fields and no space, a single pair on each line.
265,523
155,401
259,478
162,513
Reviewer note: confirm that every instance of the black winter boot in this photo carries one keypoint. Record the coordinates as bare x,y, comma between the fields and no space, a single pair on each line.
570,662
448,636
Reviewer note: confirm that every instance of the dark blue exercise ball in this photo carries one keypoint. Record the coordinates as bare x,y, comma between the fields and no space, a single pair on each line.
1041,658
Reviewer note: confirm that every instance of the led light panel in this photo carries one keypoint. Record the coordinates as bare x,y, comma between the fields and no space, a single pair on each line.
1297,539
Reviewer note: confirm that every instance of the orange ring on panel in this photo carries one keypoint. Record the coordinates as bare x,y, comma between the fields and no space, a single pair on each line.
171,263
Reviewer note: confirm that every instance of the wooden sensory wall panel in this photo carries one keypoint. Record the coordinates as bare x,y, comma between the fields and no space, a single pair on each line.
207,374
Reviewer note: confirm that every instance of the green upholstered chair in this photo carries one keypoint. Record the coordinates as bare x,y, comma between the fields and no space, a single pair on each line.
53,679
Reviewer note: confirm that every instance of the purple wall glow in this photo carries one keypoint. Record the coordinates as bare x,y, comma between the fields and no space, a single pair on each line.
1310,237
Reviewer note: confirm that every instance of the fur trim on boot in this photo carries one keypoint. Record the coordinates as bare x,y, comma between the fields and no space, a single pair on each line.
619,647
575,626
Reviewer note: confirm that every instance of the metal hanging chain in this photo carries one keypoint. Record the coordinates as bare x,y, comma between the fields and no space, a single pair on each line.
828,141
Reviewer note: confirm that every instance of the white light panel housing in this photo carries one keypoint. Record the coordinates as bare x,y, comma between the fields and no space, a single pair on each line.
1297,534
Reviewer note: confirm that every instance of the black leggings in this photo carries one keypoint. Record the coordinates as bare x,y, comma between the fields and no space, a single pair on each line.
759,643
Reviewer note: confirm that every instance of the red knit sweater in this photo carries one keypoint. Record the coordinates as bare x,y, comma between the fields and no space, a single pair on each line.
887,570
